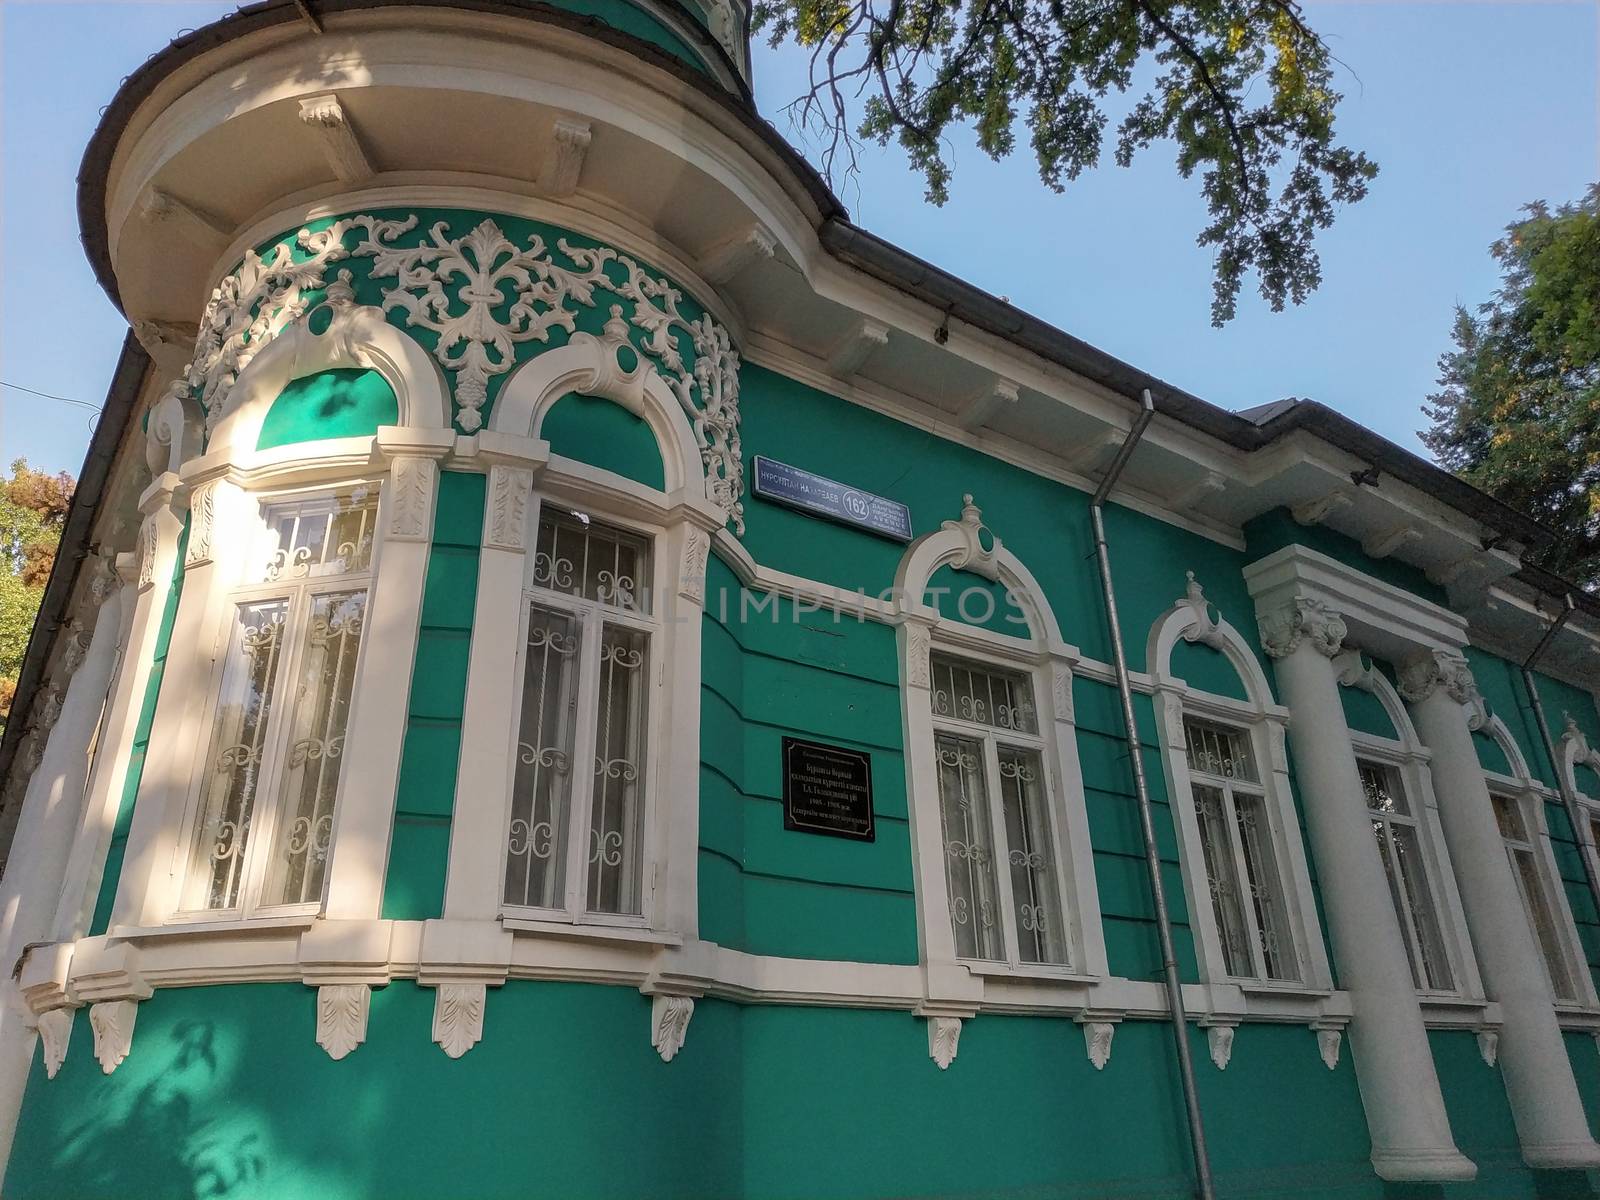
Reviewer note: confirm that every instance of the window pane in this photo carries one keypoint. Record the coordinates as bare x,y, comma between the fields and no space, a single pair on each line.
1031,857
1383,789
238,746
1508,815
969,691
327,672
1402,905
1218,750
318,537
541,788
617,825
1223,880
1543,920
968,859
580,557
1435,965
1266,887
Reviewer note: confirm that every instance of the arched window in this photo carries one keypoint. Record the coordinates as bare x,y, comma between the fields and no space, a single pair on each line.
1004,871
1222,741
1405,823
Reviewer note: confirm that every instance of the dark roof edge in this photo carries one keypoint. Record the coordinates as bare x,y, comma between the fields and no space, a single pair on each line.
976,307
266,14
132,365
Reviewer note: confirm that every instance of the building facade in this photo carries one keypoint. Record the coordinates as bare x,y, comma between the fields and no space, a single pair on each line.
576,671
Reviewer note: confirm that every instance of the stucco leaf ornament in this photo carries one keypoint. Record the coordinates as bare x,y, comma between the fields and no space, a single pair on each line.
1203,627
443,274
944,1040
669,1024
707,391
252,306
1303,618
458,1017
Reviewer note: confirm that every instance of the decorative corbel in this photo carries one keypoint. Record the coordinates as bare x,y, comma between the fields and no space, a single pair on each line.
1203,627
851,352
1219,1038
159,206
341,144
458,1016
55,1031
1317,512
112,1023
981,554
569,147
342,1017
1097,1035
731,257
944,1038
1328,1041
1489,1046
669,1023
1390,542
977,410
1212,483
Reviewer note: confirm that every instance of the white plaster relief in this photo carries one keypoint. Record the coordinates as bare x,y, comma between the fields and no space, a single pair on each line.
510,489
1203,627
1489,1046
1061,692
458,1017
1097,1039
696,552
981,553
1283,629
669,1024
919,649
149,543
1420,676
202,522
1328,1042
112,1022
411,484
728,259
944,1039
851,352
342,1017
55,1031
1219,1038
1391,542
1316,512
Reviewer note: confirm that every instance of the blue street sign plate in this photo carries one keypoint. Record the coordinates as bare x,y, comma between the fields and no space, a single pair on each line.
829,498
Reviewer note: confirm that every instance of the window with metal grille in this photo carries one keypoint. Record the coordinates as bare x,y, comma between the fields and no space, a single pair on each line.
268,793
1394,825
1514,831
994,802
575,848
1247,888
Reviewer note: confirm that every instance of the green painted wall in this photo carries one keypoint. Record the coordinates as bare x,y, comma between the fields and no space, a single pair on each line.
1209,670
1365,712
343,402
420,849
605,435
118,845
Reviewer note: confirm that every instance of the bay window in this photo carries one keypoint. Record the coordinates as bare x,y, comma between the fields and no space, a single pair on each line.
574,847
270,778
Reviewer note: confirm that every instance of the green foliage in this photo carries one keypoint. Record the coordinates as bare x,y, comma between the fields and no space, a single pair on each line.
1518,410
1244,90
33,508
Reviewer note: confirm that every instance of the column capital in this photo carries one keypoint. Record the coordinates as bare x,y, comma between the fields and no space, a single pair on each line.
1284,628
1425,672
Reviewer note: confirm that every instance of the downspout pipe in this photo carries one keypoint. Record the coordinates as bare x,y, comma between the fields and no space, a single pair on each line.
1569,800
1141,787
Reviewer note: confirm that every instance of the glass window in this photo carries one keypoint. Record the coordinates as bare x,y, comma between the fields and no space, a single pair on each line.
1394,825
288,674
1515,833
1242,875
994,804
575,842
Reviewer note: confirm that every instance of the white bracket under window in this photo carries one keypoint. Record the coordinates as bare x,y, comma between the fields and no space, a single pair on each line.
458,1016
669,1024
55,1031
1328,1041
112,1022
342,1017
1219,1038
1097,1034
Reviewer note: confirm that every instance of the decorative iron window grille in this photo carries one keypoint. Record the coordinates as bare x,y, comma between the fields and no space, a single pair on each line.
267,799
574,846
1248,897
994,804
1394,825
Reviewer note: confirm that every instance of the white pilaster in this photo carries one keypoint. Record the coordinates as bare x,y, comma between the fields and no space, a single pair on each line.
1406,1118
1549,1115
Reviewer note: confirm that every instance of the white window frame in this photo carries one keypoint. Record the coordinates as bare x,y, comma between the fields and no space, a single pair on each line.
1410,760
590,616
1265,723
949,645
230,589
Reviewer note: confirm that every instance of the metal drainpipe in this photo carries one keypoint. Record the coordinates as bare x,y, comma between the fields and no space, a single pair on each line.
1568,800
1152,855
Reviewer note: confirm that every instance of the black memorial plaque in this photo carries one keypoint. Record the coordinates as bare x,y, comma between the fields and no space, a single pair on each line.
827,790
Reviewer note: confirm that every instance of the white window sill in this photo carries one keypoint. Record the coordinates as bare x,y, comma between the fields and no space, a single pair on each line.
1578,1018
1280,989
200,927
593,933
1031,973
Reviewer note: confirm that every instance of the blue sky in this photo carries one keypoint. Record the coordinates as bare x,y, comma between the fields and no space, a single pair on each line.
1471,109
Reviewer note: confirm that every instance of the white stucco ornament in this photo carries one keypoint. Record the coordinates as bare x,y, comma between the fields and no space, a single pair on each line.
1219,1039
944,1039
1097,1040
458,1017
981,554
342,1017
55,1031
1328,1041
1203,628
669,1024
1302,619
112,1023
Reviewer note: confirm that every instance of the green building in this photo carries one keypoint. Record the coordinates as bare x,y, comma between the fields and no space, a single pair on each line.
575,671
